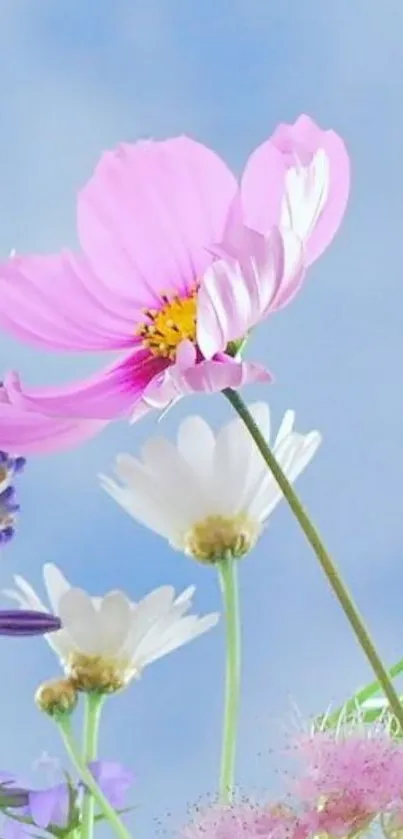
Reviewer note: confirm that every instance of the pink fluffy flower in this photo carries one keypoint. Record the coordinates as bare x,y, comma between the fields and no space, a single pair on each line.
30,432
178,263
247,820
353,777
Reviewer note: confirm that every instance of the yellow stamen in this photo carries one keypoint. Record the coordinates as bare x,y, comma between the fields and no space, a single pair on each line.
217,536
173,323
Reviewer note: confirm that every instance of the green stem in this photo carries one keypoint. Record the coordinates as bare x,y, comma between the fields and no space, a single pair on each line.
328,567
73,752
92,716
229,589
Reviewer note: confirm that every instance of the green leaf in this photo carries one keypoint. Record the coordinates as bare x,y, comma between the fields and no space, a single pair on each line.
100,816
353,707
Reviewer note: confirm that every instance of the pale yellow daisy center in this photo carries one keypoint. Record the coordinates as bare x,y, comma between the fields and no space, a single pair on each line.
217,537
101,673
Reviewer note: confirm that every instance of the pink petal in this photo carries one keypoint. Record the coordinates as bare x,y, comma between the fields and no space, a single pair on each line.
149,213
315,195
204,377
53,301
236,294
213,376
28,432
262,187
108,394
313,138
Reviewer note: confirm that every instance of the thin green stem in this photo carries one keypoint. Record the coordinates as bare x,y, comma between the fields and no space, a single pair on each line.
328,567
227,569
73,752
92,716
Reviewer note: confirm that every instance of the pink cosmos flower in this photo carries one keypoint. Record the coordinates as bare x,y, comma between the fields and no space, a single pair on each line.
30,432
355,777
178,263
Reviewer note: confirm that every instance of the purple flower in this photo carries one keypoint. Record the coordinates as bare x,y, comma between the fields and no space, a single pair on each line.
56,806
22,622
113,779
9,506
50,806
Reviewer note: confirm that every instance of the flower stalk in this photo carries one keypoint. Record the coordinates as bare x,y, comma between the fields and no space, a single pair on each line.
328,566
64,725
92,716
228,576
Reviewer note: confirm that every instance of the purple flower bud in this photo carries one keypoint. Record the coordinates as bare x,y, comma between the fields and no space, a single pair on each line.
22,622
12,797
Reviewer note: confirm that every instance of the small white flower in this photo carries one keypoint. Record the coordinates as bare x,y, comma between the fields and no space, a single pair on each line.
210,496
107,641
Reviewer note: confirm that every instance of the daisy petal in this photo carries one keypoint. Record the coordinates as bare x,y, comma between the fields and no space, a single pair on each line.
115,618
56,585
81,621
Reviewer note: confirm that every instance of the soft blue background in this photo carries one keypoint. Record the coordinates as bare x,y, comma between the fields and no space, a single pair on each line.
75,78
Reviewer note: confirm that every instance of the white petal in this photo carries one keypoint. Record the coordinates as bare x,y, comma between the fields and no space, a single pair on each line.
147,612
188,628
115,617
81,621
286,427
56,585
28,597
61,643
96,602
293,455
172,472
161,631
269,493
13,594
196,443
186,596
238,462
147,504
305,448
261,414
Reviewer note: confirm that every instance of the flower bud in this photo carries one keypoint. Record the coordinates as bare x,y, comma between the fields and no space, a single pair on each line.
56,697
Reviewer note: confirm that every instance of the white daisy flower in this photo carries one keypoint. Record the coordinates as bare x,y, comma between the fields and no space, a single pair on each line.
107,641
210,495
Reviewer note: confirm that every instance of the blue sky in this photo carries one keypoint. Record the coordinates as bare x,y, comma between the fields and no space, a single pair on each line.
74,80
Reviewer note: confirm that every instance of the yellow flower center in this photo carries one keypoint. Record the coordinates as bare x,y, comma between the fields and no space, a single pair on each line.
97,672
168,326
218,536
